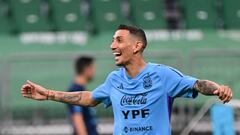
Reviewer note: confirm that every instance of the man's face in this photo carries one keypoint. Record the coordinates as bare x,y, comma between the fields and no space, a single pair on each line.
90,71
122,47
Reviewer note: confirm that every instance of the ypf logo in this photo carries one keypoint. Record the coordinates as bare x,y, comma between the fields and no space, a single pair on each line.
147,82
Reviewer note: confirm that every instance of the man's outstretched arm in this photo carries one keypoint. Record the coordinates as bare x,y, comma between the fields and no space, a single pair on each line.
207,87
37,92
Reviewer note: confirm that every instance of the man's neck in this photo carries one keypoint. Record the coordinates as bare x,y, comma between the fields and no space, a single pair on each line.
135,67
80,80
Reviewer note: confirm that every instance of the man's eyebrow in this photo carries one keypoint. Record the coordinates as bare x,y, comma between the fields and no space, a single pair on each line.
117,37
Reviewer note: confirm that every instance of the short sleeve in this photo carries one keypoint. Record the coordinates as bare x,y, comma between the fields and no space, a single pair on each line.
178,84
102,92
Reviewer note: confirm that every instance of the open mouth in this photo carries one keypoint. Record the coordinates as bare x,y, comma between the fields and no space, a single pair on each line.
117,54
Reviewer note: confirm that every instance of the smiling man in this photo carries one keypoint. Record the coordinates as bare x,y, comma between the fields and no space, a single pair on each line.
141,94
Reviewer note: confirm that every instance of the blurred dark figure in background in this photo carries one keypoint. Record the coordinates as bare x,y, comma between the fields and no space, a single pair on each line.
83,118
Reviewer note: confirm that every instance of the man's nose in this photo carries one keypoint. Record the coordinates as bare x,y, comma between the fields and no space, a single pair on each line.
113,46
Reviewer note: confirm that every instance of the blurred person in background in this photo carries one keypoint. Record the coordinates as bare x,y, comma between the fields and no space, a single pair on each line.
141,93
82,118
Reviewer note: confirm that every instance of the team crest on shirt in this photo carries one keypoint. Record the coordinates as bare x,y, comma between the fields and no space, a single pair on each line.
147,82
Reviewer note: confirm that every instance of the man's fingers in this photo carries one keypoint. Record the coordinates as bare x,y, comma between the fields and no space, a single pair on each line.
216,92
221,92
231,96
26,86
24,92
31,83
228,94
225,93
27,90
27,95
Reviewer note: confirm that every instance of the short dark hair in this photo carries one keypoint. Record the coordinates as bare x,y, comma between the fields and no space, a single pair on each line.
135,31
82,62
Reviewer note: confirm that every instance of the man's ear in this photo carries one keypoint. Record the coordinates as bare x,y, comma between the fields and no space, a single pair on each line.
137,47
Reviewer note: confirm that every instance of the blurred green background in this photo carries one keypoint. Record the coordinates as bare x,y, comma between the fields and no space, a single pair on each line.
39,40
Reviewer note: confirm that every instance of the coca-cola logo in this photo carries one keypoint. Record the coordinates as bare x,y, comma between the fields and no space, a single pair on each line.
138,99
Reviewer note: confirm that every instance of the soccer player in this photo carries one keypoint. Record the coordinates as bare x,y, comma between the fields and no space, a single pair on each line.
82,118
141,94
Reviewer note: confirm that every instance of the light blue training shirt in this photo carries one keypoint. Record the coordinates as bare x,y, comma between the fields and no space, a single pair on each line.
142,105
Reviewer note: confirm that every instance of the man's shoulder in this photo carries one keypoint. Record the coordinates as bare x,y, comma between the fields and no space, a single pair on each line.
158,66
164,68
116,72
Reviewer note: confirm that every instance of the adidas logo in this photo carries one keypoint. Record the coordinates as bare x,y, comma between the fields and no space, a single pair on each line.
120,86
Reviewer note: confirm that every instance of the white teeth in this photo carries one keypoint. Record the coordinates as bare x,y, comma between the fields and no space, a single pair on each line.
116,53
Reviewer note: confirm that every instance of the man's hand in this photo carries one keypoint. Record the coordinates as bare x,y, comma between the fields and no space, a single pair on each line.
207,87
224,93
34,91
